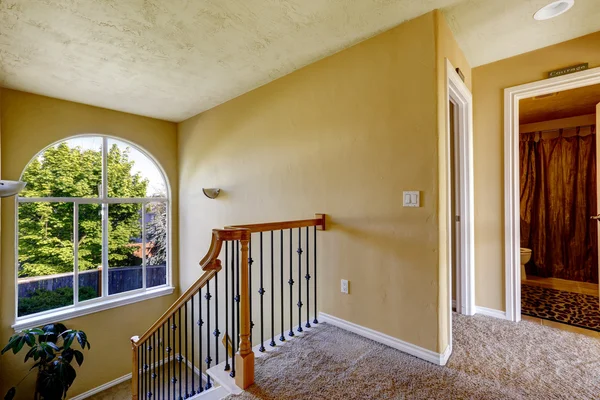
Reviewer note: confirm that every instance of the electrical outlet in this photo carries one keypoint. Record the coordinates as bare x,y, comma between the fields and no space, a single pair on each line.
344,286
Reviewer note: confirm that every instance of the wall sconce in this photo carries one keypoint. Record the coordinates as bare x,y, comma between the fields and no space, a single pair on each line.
11,188
211,193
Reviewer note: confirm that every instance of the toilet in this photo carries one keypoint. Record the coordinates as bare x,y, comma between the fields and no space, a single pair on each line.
525,257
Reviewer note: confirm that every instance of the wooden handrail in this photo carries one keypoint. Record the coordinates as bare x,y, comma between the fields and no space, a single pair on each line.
319,222
187,295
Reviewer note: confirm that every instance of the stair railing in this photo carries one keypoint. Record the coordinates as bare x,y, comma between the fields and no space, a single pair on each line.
167,358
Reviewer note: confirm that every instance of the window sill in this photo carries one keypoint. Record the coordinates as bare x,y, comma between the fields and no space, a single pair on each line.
80,310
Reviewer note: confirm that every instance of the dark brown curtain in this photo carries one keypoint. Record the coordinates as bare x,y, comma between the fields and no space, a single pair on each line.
558,196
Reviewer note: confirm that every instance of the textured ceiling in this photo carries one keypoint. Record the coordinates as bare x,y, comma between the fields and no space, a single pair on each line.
491,30
568,103
172,59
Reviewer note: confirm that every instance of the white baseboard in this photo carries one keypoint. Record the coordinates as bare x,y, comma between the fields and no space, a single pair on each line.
490,312
101,388
413,350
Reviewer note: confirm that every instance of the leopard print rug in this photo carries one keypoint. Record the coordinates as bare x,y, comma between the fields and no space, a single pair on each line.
575,309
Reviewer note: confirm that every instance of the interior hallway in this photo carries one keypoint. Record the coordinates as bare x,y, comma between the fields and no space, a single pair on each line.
492,359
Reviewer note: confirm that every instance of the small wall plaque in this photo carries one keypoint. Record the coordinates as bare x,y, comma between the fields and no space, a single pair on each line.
459,72
568,70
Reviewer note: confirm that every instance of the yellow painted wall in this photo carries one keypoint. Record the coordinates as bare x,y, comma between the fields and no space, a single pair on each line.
29,123
489,82
446,49
345,136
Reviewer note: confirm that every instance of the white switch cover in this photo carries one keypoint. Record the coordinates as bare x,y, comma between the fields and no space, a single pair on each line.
344,286
411,199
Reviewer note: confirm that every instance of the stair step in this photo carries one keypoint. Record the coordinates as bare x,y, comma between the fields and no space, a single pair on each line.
215,393
226,382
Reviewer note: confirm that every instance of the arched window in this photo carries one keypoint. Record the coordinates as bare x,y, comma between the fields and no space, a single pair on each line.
93,228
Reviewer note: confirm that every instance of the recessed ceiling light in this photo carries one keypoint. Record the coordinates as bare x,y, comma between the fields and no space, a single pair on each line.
553,9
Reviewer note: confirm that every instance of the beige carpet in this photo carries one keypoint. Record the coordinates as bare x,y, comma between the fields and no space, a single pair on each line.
492,359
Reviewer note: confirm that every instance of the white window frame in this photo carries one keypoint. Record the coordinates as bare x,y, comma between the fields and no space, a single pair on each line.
104,301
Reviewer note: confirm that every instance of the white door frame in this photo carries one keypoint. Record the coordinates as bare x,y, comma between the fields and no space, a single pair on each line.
460,95
512,234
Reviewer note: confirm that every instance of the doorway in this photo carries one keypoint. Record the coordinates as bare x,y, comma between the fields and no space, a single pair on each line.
546,262
558,195
459,194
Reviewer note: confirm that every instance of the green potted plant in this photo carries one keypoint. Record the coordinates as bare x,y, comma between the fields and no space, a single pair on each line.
51,350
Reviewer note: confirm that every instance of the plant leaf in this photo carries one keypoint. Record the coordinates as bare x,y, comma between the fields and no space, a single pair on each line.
81,338
78,357
53,345
17,348
10,394
67,355
68,340
30,353
12,342
29,339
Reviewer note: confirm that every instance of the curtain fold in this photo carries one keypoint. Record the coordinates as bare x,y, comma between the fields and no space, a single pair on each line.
558,196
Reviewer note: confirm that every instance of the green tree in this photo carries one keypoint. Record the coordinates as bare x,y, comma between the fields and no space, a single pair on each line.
46,229
156,233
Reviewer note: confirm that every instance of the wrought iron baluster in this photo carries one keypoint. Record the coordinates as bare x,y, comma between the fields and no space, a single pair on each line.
261,291
272,344
193,392
315,321
163,363
216,332
156,352
307,276
200,323
227,366
168,358
281,335
179,359
144,390
299,251
154,375
187,391
138,366
172,359
291,282
208,357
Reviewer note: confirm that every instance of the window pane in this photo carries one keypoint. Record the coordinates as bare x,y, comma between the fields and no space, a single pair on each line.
89,252
131,173
72,168
156,244
45,276
124,247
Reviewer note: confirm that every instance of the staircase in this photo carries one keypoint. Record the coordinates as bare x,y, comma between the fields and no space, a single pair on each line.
201,347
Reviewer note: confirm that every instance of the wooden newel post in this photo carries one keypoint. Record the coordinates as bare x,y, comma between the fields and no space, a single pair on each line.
135,368
244,359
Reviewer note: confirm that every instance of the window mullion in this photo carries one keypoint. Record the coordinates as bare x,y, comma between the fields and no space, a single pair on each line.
144,272
75,253
103,196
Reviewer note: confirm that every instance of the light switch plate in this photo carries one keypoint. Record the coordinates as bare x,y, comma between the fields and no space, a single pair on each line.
411,199
344,286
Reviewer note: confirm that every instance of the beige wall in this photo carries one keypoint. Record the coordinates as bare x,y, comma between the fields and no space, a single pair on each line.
345,136
446,49
489,81
29,123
